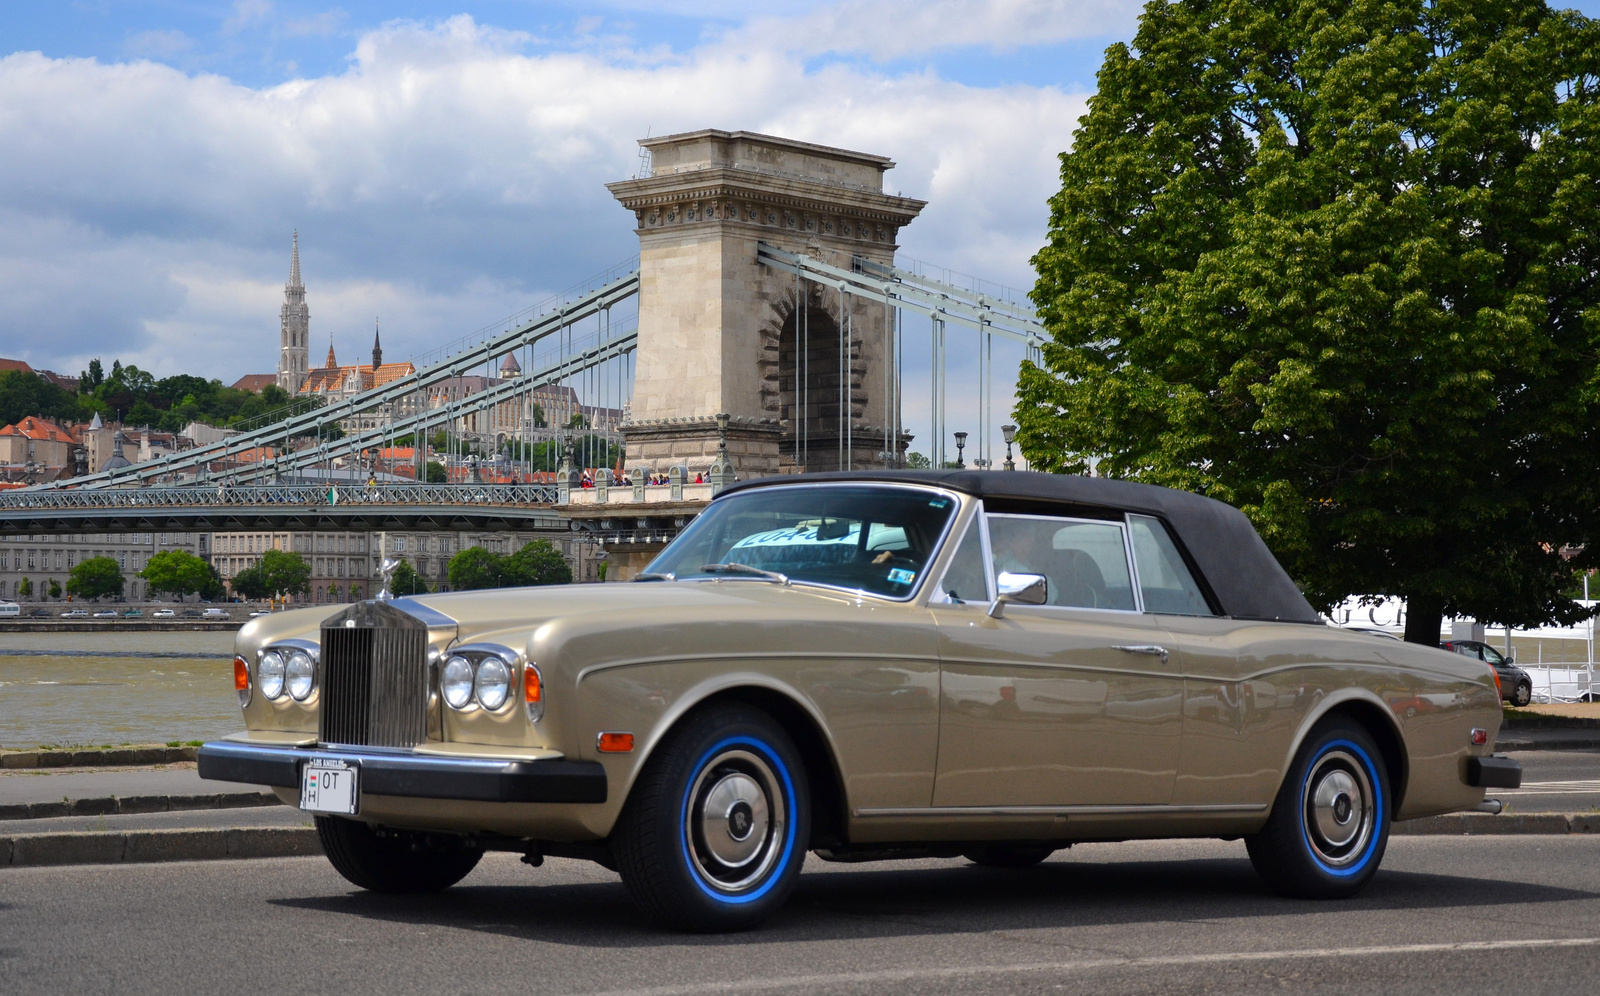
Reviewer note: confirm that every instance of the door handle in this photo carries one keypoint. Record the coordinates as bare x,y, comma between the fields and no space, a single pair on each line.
1145,648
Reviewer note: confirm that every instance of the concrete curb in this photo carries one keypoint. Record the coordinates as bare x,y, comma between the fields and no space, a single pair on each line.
107,758
113,806
1483,824
143,846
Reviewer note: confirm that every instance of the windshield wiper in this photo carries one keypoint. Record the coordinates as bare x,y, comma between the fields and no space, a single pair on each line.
745,569
655,576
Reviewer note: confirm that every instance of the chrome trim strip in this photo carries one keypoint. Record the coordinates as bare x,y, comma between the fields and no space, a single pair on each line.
1138,810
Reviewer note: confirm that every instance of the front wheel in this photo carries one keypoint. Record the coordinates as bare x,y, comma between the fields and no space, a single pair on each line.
717,826
396,862
1330,823
1523,695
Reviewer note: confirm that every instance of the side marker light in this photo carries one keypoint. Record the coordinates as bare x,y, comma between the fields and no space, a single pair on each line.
615,743
1480,737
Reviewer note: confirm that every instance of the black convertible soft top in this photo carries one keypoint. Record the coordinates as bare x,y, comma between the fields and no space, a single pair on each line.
1243,574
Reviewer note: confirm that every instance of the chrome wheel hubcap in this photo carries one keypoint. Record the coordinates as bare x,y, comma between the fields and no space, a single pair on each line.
735,820
1340,808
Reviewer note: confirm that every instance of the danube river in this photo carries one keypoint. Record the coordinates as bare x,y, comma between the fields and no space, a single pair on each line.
88,689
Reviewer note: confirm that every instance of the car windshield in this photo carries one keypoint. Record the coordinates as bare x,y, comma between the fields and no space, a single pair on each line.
875,539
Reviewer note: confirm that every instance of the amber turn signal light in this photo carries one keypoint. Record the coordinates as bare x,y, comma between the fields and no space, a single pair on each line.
532,686
616,743
241,675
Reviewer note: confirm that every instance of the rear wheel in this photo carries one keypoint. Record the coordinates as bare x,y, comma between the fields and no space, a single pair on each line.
1008,855
1523,694
717,826
398,862
1330,823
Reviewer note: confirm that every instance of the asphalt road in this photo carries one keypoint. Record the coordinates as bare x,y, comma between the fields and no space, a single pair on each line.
1555,781
1452,915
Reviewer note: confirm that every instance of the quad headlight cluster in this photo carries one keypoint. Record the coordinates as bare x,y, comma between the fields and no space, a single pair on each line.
485,680
290,671
486,677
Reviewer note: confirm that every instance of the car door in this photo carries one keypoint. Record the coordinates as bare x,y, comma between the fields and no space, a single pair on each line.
1070,703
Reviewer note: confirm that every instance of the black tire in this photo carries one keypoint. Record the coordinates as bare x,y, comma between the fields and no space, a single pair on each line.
1523,693
1330,823
681,856
400,862
1008,855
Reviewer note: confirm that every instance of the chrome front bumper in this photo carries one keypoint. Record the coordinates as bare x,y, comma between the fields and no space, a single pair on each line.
397,773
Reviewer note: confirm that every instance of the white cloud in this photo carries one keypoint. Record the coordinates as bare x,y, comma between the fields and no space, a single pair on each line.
247,14
449,177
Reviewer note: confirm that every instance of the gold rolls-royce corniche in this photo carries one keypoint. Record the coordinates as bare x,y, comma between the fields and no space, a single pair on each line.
988,664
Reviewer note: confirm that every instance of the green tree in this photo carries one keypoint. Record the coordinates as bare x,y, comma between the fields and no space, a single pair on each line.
1340,267
95,578
406,581
916,461
176,571
537,563
23,394
25,588
475,567
285,573
251,584
55,588
213,589
434,474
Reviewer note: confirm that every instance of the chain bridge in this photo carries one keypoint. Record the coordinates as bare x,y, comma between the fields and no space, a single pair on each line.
763,330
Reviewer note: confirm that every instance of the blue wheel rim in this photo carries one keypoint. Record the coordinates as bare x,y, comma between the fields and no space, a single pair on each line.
1369,847
787,833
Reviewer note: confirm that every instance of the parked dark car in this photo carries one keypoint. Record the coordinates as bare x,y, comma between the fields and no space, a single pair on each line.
41,613
1515,685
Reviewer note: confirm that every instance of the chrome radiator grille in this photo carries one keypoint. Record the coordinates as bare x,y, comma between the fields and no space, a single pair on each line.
374,687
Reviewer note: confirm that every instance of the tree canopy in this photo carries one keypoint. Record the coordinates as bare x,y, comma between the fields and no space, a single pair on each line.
276,574
1340,267
178,572
537,563
406,581
95,577
139,399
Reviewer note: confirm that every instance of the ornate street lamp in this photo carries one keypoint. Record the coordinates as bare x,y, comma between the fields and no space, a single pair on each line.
961,445
1010,433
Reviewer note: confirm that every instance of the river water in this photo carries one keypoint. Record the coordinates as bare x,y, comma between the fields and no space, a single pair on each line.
89,689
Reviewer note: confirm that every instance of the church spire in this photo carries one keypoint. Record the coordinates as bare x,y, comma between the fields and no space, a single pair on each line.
331,361
294,327
377,347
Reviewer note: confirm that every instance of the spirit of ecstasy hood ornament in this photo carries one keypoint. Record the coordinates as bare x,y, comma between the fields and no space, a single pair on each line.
387,569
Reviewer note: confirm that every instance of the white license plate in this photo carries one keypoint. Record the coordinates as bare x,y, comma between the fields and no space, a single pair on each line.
330,786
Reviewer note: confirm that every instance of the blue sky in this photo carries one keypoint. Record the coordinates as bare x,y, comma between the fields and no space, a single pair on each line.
445,163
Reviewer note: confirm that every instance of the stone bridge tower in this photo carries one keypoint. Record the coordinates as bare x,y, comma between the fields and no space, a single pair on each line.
721,332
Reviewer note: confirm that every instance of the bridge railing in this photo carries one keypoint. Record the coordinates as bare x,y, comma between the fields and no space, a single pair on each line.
282,494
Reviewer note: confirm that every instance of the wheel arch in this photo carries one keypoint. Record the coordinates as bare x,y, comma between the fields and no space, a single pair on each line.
1373,716
823,776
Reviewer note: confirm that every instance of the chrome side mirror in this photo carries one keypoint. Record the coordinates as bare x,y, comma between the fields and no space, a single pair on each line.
1024,589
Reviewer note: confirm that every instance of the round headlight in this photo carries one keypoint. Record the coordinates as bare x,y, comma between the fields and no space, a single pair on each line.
493,684
269,674
456,682
299,673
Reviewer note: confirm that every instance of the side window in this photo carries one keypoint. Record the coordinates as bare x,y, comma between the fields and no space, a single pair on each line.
1493,656
1085,562
965,580
1164,579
